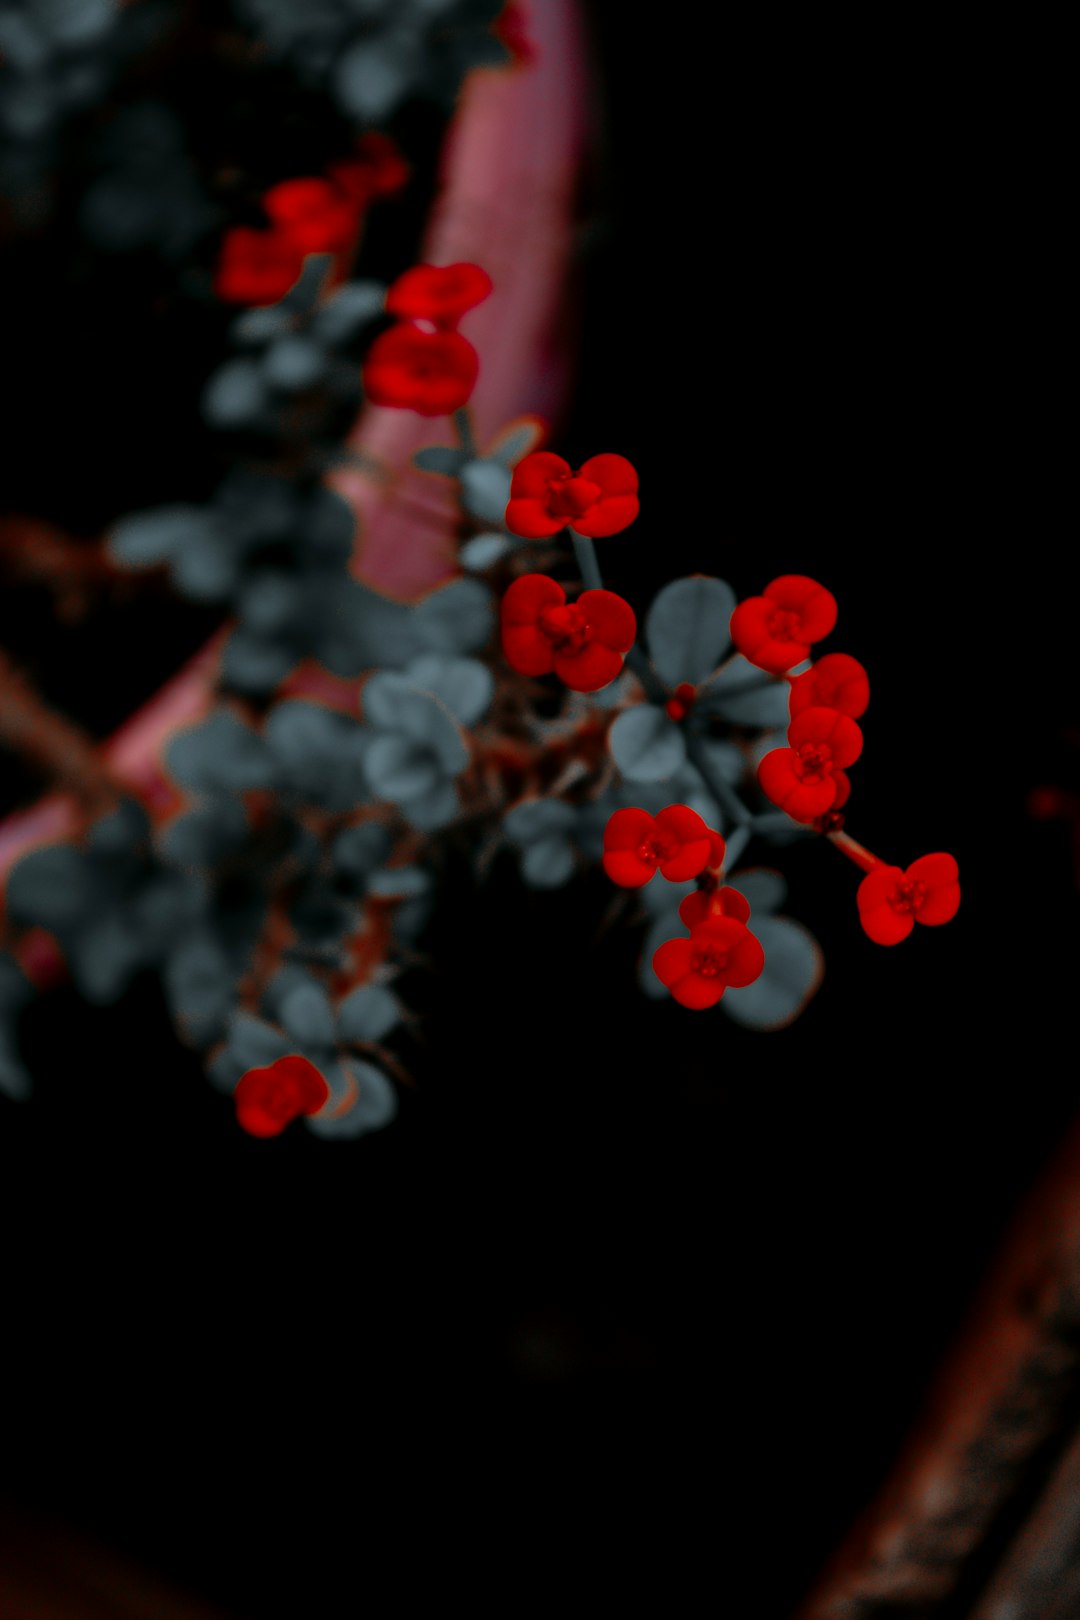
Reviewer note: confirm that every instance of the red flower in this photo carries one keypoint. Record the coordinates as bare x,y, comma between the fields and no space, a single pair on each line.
775,631
256,267
676,840
312,214
510,27
719,954
809,777
432,373
442,295
377,170
268,1099
703,907
891,901
836,681
584,642
545,495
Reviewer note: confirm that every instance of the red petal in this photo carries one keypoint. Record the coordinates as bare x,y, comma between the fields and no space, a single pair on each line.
526,650
936,871
816,607
682,822
696,909
776,774
625,867
529,519
626,829
817,725
886,926
312,1089
524,600
607,517
697,993
671,961
717,849
735,905
534,472
878,886
614,474
691,859
843,789
747,963
836,681
940,907
611,619
589,670
440,293
749,624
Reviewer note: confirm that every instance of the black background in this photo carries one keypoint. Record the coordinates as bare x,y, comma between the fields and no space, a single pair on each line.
630,1298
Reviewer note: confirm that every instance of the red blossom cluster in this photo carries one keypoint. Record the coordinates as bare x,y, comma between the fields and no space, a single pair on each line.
269,1099
311,214
720,954
584,643
423,363
546,494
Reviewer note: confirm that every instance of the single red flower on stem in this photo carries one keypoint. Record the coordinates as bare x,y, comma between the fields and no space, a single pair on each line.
676,841
312,214
256,267
269,1099
432,373
719,955
891,901
441,294
597,500
583,642
775,631
836,681
810,777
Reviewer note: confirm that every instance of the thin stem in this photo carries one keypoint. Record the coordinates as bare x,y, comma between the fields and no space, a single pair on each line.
725,795
854,852
588,564
463,423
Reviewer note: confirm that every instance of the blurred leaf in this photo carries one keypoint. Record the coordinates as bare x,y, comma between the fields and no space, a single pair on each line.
393,703
464,684
646,745
375,1105
456,618
236,394
399,769
763,889
201,838
437,458
258,326
307,1016
399,882
15,987
548,863
103,956
293,363
359,850
15,1080
372,77
534,819
483,551
368,1013
254,664
347,311
427,812
145,538
220,754
123,830
54,887
687,628
793,970
516,440
485,489
253,1042
199,987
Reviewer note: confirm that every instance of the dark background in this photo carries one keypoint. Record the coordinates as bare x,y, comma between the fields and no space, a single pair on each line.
630,1299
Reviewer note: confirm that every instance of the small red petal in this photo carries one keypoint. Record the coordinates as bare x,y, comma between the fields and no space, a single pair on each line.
529,519
672,961
625,867
611,619
608,516
878,886
534,473
816,607
886,926
589,670
697,993
524,600
626,829
526,650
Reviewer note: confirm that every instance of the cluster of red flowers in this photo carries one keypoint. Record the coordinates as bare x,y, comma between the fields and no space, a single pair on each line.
584,642
423,363
720,950
312,214
775,631
269,1099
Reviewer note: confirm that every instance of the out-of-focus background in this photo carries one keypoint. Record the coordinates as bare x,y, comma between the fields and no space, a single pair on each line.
628,1299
